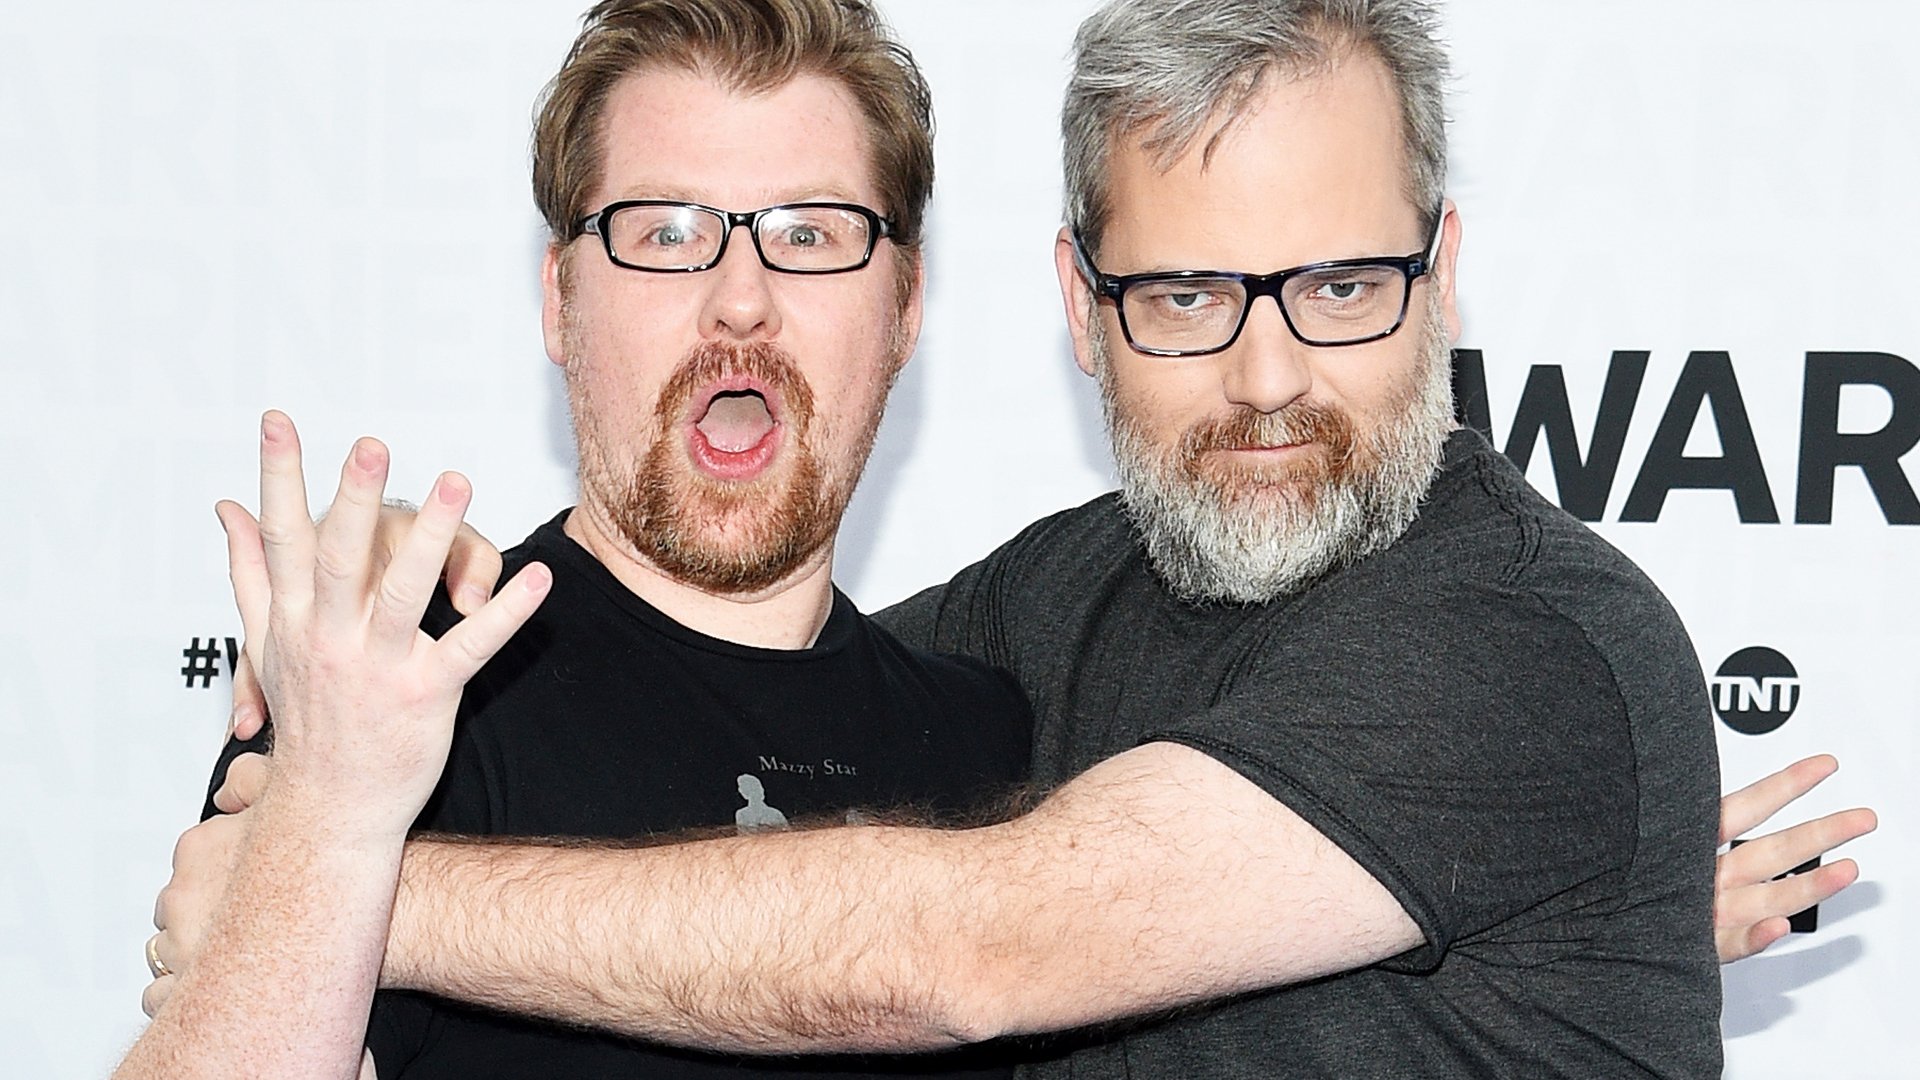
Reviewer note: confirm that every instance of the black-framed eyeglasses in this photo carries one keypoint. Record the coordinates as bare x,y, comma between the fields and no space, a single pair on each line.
666,237
1200,312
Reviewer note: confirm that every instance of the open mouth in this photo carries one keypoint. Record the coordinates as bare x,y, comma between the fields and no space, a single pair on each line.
736,421
736,434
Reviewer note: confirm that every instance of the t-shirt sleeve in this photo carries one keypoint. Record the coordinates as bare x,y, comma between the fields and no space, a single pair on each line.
974,613
1470,750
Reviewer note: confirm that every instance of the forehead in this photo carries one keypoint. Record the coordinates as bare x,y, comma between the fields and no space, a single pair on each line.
669,133
1312,168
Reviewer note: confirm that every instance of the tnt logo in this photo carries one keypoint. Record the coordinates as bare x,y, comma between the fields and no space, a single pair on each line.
1755,691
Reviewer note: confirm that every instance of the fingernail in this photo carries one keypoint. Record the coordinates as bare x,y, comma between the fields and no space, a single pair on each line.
537,577
449,489
366,454
272,427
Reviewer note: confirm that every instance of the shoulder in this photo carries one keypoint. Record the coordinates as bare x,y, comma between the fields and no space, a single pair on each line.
951,676
1070,543
1055,559
1498,588
1485,530
978,701
1040,582
1552,557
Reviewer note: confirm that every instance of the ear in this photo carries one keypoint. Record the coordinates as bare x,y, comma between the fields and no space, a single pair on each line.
1076,295
551,300
1443,267
913,312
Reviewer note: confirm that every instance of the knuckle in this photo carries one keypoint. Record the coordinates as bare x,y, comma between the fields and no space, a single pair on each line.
398,595
191,848
248,773
469,651
277,533
332,563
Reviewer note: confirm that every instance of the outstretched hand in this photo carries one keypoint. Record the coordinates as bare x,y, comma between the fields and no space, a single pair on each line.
1750,908
363,701
472,570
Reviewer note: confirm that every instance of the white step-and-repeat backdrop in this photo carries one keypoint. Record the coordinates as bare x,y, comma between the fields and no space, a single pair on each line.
1691,280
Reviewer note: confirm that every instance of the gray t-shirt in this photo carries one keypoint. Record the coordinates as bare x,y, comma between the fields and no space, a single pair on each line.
1499,717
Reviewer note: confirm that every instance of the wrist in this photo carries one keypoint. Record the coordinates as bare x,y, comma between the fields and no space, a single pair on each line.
327,823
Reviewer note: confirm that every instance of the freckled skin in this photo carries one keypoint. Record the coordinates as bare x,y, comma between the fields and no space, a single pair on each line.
620,333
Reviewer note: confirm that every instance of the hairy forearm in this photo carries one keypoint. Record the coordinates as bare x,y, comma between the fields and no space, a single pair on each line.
284,979
1158,879
809,941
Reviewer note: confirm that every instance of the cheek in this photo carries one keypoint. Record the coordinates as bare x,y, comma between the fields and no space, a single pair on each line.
622,359
1373,388
850,360
846,396
1165,399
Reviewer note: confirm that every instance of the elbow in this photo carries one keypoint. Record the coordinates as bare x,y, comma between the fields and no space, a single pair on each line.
957,1016
908,1007
975,999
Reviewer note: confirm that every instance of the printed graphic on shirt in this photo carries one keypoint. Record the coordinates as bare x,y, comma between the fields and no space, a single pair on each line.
808,769
756,814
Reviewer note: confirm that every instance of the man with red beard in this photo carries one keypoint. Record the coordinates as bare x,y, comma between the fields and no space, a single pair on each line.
730,311
1352,733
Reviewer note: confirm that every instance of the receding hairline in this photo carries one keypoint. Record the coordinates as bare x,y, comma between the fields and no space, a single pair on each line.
1164,92
1165,145
832,189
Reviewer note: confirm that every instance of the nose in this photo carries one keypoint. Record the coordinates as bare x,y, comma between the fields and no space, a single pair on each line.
739,303
1266,369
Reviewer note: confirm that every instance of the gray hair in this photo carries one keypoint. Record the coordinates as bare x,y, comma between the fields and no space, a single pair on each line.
1170,67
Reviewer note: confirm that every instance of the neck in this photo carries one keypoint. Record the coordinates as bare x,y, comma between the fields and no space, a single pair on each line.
786,615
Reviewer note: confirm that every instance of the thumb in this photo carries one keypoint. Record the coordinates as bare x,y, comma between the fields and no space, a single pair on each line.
249,701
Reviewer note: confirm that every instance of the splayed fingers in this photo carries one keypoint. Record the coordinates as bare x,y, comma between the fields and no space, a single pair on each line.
1750,907
363,701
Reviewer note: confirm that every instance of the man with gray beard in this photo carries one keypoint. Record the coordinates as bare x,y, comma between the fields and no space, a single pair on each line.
1426,747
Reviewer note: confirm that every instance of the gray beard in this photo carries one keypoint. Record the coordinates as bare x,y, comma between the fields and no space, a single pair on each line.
1212,543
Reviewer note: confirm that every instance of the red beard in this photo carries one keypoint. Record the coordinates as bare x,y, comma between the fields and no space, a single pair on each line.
729,536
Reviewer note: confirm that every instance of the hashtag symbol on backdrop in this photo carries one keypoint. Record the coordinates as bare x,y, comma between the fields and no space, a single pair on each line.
201,662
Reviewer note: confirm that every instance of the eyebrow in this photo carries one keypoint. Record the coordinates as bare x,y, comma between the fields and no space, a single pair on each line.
775,197
1384,255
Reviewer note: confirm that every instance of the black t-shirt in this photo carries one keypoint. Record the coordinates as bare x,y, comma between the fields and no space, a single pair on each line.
1499,717
605,719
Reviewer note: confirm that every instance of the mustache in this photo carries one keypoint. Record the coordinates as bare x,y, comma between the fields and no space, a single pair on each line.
711,361
1248,429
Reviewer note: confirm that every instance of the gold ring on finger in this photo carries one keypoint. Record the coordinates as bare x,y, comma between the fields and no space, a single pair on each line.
154,963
